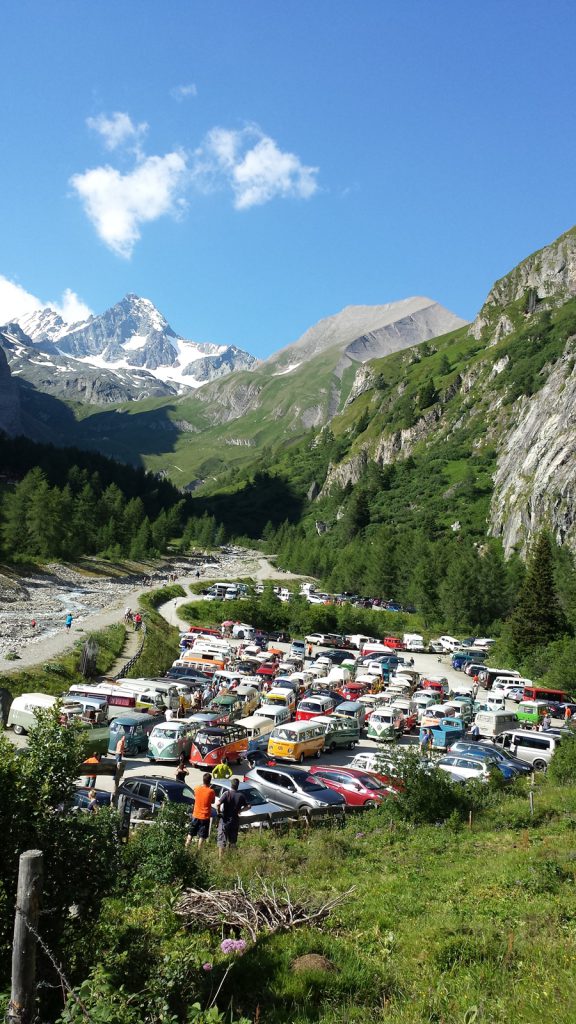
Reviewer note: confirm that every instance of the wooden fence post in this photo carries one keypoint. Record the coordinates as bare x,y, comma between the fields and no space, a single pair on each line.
22,1008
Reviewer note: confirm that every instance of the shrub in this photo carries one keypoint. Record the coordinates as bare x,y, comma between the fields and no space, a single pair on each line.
562,767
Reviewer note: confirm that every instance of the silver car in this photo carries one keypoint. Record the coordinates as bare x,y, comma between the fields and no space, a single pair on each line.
294,788
259,807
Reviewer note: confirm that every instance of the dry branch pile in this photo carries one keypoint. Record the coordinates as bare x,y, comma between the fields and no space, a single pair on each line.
235,909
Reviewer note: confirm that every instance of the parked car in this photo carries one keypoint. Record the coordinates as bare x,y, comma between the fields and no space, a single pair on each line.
465,766
149,793
258,804
81,798
357,788
503,757
535,747
295,788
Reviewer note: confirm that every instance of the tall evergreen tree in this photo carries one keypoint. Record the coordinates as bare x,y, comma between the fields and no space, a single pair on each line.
538,618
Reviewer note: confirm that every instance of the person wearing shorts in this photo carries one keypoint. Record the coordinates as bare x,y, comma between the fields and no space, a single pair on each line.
204,797
230,805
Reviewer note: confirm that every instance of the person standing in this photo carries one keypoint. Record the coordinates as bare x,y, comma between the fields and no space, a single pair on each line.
204,797
230,806
92,801
475,732
95,758
68,621
181,770
120,748
223,770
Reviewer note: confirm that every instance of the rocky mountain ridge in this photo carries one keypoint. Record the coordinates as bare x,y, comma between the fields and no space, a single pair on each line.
132,338
506,386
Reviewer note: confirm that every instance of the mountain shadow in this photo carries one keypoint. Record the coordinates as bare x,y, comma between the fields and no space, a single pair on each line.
265,499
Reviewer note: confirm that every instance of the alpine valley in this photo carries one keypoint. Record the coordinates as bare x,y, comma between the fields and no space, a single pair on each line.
403,409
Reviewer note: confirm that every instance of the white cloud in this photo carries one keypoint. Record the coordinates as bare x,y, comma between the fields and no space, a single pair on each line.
183,92
118,204
118,129
253,165
71,308
16,302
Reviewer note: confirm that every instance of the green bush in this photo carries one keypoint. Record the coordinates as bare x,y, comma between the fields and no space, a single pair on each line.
562,767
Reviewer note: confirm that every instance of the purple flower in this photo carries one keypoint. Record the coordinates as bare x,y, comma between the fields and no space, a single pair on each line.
207,967
233,946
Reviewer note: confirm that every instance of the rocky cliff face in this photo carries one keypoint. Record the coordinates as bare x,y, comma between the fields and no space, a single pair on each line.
535,480
546,277
69,379
10,421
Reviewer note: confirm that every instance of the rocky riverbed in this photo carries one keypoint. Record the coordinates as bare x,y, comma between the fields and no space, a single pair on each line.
45,597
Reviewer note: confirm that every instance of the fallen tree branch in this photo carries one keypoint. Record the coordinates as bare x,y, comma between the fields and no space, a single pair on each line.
268,911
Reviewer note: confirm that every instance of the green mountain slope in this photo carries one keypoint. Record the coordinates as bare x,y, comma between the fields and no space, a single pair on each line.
224,424
461,439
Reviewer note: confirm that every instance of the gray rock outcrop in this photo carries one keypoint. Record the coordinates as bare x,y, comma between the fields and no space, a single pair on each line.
10,420
546,277
535,479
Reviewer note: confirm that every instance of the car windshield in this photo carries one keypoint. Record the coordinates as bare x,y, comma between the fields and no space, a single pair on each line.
371,783
253,796
285,734
168,734
310,784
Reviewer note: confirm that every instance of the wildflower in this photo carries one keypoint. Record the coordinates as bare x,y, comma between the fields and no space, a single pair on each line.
360,835
207,967
233,946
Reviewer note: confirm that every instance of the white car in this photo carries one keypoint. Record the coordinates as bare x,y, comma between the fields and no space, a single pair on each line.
461,767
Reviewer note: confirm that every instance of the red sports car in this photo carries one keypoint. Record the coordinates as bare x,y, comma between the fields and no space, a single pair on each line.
359,788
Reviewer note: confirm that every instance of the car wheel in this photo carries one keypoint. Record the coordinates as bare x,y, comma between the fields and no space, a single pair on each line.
369,805
331,748
539,765
317,754
351,746
19,730
151,759
301,759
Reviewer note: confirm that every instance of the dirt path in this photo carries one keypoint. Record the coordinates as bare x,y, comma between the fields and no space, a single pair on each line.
99,602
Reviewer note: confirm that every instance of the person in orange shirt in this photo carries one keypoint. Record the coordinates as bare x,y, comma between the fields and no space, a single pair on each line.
204,797
94,759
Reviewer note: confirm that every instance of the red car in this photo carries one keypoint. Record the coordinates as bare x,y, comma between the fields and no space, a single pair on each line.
394,642
268,670
359,788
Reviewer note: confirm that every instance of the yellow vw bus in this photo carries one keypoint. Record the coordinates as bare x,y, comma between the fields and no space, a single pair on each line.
297,740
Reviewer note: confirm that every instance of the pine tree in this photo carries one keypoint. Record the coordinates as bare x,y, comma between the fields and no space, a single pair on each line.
538,618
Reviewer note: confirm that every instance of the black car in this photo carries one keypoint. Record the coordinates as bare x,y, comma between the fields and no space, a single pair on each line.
81,798
336,656
280,637
186,674
147,792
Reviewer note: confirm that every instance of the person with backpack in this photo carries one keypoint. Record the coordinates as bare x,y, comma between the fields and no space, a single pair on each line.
230,805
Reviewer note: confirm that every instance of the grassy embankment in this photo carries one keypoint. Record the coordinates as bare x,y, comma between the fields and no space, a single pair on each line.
161,640
446,923
57,675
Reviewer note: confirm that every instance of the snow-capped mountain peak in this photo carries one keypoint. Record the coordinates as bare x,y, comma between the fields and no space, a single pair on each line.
133,334
44,325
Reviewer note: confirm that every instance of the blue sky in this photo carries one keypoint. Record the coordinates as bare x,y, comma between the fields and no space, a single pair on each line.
254,165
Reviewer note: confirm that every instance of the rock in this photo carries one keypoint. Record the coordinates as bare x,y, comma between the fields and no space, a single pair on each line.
363,381
312,962
547,277
10,421
535,479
